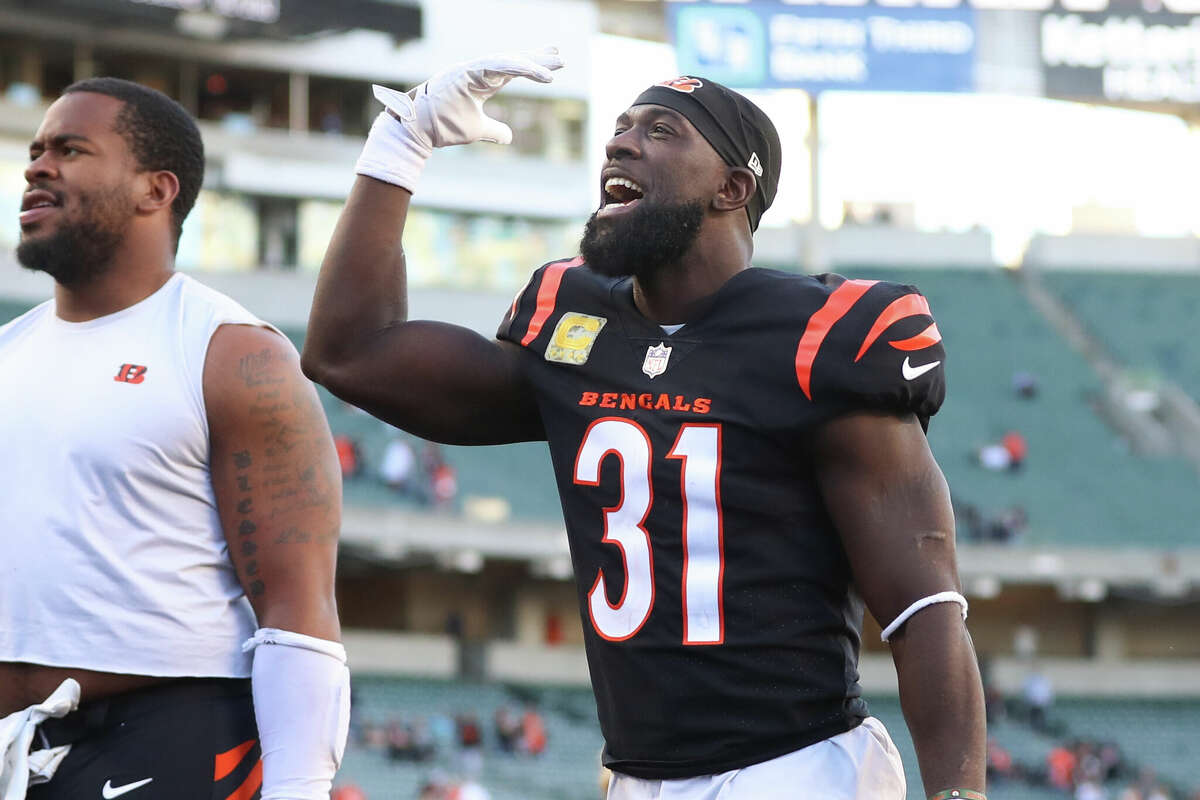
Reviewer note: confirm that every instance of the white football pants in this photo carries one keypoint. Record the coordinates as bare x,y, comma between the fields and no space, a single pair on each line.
861,764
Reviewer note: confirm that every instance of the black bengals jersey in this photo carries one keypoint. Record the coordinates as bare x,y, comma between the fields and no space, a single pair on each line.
720,617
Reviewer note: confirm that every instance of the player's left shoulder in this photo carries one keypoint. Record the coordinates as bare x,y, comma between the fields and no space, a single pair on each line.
873,344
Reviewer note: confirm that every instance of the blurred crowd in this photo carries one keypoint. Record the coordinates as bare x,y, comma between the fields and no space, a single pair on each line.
454,746
425,477
1079,766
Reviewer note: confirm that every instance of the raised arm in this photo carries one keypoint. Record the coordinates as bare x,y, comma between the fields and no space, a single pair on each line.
891,506
439,381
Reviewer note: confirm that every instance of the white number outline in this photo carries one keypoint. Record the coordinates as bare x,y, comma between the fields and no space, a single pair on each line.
699,587
709,613
599,588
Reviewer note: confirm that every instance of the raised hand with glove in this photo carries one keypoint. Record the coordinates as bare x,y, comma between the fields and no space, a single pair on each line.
443,111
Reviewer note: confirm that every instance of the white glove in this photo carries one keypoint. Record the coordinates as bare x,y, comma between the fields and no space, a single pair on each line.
445,110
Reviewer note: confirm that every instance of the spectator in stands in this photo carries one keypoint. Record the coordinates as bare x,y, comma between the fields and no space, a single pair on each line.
999,762
1146,787
444,482
1089,772
443,730
1060,767
1007,454
349,455
399,741
398,466
470,739
440,477
994,456
533,732
1025,385
508,729
1039,697
970,522
555,635
435,787
424,747
1009,525
1017,448
331,119
469,790
348,792
1110,760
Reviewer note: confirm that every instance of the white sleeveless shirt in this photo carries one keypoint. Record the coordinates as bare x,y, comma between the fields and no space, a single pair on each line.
112,556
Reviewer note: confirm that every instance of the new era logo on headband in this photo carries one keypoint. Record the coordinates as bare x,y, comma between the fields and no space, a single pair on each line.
683,84
755,164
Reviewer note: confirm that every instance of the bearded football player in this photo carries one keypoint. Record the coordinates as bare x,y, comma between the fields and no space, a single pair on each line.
740,453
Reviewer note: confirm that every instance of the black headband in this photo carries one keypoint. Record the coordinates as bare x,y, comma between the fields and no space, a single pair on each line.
738,130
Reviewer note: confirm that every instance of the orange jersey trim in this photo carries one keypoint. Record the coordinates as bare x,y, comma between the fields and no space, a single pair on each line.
926,338
547,297
910,305
228,761
836,305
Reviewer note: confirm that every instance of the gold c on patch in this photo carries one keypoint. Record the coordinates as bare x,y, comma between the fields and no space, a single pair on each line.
573,338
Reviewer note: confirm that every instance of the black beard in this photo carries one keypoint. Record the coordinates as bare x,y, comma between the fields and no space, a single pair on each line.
642,242
79,251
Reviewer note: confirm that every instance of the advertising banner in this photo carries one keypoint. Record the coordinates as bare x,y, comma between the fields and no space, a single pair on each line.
767,45
1127,54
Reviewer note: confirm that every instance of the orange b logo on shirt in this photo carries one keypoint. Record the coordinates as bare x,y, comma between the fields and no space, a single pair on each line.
130,373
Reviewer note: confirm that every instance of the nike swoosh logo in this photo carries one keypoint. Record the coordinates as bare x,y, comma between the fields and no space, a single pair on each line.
109,791
911,373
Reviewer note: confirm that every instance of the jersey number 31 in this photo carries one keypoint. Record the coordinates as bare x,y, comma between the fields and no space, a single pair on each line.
698,447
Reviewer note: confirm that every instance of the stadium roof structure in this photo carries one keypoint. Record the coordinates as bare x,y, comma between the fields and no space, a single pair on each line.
237,19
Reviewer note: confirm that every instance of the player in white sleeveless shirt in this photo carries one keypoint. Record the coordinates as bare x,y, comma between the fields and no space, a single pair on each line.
170,497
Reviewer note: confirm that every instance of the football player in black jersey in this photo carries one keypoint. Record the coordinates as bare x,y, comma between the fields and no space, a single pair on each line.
740,453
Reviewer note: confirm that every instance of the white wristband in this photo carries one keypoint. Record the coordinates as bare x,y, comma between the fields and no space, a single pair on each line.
924,602
302,704
393,154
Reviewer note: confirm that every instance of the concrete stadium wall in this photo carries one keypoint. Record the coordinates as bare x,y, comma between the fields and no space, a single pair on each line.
1114,253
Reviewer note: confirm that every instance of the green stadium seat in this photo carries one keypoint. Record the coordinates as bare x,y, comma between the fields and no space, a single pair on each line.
1143,320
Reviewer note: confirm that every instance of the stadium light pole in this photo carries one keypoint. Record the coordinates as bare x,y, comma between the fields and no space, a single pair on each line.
815,255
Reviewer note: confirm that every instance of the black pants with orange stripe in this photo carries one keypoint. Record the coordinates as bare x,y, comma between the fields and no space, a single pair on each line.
192,739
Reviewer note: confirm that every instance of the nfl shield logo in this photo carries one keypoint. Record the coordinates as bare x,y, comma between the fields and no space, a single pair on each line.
656,360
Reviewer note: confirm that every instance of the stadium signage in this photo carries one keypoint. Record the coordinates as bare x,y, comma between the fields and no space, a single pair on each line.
876,48
265,11
1127,57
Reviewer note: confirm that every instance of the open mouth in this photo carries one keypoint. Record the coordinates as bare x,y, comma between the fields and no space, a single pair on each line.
38,204
620,194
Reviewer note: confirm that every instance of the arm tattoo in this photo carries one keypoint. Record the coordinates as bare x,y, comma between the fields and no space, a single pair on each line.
287,487
246,528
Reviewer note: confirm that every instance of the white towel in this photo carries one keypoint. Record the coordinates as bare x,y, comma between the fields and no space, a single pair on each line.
17,767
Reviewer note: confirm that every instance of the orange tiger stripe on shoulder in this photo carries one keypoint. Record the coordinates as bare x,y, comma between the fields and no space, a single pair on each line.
840,301
547,297
910,305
